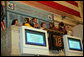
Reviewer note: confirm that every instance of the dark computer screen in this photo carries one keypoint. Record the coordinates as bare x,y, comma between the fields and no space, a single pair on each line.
74,44
35,37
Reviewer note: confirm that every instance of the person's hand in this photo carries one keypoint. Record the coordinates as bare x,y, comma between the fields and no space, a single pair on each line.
36,25
21,24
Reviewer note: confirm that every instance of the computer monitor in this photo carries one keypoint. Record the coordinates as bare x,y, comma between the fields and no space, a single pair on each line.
72,46
33,41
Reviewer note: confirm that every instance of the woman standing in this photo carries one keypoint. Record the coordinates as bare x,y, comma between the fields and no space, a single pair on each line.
15,22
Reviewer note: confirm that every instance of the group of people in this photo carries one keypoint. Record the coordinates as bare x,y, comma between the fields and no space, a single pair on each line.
34,24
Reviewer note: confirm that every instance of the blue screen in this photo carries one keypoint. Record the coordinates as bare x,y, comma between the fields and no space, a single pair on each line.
74,44
35,38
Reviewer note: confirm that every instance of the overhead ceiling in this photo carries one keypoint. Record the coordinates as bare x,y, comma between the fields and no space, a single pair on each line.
52,10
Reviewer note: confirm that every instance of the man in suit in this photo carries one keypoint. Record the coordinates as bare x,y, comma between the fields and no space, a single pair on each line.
34,23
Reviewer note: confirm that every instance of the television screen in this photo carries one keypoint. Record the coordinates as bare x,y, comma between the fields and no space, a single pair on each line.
35,37
74,44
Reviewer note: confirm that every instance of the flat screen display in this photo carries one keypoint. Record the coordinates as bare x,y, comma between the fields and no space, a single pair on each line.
74,44
35,37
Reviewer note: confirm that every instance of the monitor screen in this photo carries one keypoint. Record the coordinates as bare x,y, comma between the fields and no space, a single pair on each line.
74,44
35,37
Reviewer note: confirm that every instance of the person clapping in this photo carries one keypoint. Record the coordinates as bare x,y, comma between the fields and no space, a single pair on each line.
34,23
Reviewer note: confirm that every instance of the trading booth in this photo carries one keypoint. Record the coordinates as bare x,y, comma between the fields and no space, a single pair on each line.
24,41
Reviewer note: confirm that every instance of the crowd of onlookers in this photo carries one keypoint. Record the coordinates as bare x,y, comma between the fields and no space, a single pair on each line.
33,24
